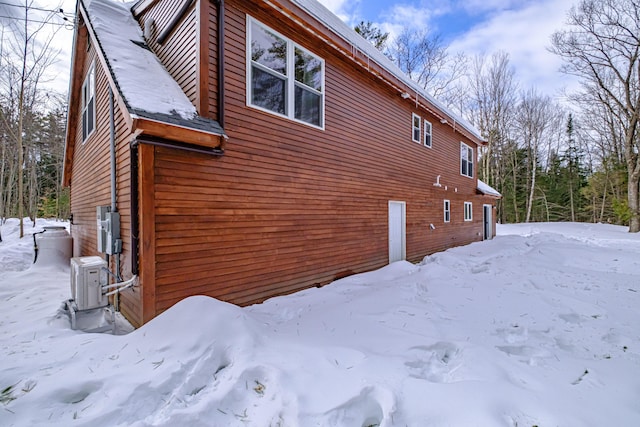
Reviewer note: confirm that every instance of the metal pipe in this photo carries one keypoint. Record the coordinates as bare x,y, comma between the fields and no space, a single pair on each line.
135,222
112,147
112,144
117,291
35,246
221,63
118,284
121,286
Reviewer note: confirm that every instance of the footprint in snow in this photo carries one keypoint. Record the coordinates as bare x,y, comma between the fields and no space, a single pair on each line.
436,363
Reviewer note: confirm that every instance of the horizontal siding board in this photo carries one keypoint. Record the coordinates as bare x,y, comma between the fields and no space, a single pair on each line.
290,206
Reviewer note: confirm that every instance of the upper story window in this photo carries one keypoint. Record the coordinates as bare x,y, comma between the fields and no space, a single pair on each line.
427,134
447,211
416,121
285,78
466,160
89,103
468,211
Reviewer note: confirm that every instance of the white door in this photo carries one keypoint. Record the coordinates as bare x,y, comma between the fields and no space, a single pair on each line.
487,222
397,220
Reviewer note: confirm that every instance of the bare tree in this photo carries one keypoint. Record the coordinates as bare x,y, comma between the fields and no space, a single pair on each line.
425,59
537,120
26,55
602,46
491,108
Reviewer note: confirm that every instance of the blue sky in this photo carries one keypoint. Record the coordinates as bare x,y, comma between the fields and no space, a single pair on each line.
522,28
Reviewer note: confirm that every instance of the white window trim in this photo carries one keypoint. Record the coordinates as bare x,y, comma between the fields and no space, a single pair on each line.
447,210
468,209
290,77
469,161
414,116
427,125
91,75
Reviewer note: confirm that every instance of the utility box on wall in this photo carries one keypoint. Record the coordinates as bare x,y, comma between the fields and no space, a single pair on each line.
108,228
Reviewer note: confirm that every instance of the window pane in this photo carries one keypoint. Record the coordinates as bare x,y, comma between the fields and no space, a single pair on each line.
427,133
91,83
268,49
267,90
307,106
90,116
464,167
416,128
308,70
84,124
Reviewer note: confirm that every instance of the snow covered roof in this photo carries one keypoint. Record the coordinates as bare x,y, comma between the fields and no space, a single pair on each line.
147,88
335,24
487,189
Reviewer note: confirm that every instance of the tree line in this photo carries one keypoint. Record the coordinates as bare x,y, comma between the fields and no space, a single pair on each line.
571,161
32,117
575,161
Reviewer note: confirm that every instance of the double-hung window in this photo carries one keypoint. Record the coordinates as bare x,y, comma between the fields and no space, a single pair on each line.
284,78
466,160
427,134
415,123
447,211
468,211
89,103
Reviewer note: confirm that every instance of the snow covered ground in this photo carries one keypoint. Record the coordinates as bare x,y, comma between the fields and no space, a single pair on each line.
538,327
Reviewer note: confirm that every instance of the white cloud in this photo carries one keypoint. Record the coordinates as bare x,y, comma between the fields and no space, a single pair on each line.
525,35
344,9
480,6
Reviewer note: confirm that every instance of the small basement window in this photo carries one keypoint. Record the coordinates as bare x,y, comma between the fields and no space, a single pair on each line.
89,103
468,211
447,211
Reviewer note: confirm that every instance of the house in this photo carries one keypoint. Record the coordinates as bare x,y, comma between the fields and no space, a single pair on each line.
244,150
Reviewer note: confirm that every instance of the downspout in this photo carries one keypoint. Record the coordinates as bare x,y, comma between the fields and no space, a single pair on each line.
112,145
220,11
114,197
135,221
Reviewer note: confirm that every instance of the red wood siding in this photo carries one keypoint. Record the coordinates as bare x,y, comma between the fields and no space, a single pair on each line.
290,206
178,53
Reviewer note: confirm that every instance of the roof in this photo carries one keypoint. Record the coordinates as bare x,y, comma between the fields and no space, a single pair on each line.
335,24
146,87
487,190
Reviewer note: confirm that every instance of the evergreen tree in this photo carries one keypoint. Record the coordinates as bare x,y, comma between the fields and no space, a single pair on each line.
373,34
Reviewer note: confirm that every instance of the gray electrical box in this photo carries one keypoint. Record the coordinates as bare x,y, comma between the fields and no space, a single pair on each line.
108,227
